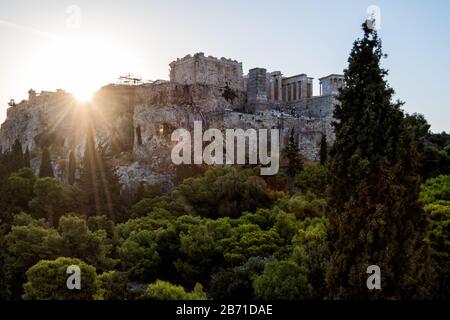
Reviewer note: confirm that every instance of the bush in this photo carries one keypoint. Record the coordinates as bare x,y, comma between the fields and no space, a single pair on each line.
303,206
115,285
47,280
283,280
163,290
312,179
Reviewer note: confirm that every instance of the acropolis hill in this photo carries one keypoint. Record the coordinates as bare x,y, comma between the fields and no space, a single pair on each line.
134,122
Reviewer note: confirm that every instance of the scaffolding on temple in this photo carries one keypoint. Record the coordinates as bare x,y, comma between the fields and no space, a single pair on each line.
130,79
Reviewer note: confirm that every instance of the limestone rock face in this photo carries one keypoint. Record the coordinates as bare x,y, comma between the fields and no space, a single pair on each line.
134,125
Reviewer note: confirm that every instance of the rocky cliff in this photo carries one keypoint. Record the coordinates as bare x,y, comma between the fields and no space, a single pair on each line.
134,123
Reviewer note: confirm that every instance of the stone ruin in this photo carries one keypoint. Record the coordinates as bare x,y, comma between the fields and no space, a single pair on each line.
264,90
137,120
208,71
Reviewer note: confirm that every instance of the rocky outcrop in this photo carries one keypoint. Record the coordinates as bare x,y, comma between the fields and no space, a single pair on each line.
134,124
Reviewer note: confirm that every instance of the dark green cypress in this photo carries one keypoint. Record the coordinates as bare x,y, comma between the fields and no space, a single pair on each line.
374,217
45,169
16,156
295,164
98,182
26,158
323,150
71,168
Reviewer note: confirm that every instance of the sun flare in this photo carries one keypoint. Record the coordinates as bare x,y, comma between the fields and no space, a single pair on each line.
80,66
83,95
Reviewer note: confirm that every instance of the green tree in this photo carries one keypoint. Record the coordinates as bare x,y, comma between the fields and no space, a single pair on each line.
375,216
29,241
50,201
96,223
249,240
93,247
139,255
303,206
163,239
3,284
435,196
295,164
312,179
435,159
99,186
223,191
16,156
46,169
26,158
310,251
433,147
199,252
10,161
150,205
72,167
47,281
114,285
236,283
20,189
323,149
162,290
283,280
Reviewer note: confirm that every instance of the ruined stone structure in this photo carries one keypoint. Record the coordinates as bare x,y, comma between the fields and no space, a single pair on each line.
208,71
135,122
288,89
330,85
257,90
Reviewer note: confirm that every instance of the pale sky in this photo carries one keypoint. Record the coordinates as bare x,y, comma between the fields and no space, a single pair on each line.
44,47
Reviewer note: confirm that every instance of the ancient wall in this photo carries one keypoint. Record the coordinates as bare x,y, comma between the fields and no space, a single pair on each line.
331,84
315,107
208,71
257,90
317,113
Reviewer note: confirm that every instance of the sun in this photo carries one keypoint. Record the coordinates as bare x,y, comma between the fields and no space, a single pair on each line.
83,95
80,66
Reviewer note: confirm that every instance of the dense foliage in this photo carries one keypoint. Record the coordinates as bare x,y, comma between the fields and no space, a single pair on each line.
179,245
435,197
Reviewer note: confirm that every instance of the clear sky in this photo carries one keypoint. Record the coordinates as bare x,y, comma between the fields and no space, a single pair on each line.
44,47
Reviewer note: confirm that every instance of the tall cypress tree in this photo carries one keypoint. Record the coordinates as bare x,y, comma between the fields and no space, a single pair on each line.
45,169
15,157
98,183
71,168
375,217
323,150
26,158
295,164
